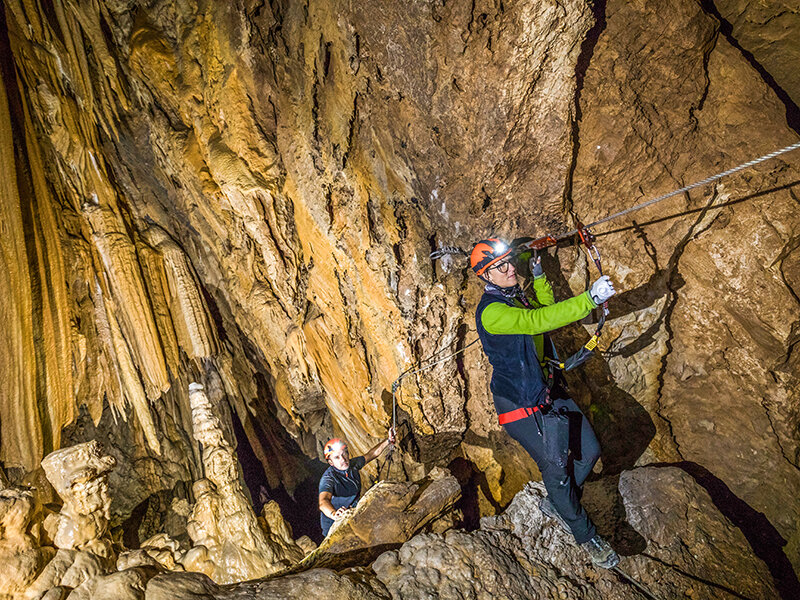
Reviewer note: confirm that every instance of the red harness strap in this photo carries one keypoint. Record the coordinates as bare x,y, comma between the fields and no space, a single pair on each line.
516,415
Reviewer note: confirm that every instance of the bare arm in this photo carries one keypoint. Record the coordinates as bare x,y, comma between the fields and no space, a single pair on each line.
327,508
375,452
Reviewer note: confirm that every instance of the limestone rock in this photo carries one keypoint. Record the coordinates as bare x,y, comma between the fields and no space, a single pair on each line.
356,584
66,571
80,476
682,538
520,554
767,31
136,558
692,549
386,516
306,543
708,308
247,194
21,556
279,533
159,551
124,585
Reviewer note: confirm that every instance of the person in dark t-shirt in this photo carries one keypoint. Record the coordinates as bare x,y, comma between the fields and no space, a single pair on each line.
340,486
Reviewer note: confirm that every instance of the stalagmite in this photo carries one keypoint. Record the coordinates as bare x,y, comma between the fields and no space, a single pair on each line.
22,556
229,544
79,475
80,531
247,195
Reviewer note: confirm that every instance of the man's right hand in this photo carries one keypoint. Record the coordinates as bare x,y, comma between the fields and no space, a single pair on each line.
602,290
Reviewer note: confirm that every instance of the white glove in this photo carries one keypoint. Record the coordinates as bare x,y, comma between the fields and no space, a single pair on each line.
602,290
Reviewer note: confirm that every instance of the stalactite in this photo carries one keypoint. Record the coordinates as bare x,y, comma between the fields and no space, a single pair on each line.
22,429
40,395
188,308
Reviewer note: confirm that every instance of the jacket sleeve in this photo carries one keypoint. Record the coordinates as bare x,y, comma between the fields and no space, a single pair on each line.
544,292
500,319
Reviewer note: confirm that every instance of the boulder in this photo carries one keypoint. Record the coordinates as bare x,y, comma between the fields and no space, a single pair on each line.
21,557
693,549
690,549
320,584
388,515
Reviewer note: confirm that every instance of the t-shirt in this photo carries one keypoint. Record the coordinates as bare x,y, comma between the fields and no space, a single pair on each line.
344,486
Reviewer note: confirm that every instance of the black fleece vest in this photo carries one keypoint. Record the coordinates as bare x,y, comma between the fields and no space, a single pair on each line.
517,375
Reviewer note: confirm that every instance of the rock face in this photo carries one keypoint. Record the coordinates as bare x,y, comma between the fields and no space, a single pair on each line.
695,345
691,550
765,33
319,583
21,551
245,195
523,554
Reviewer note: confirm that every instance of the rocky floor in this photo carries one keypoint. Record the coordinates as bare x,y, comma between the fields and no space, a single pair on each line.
690,550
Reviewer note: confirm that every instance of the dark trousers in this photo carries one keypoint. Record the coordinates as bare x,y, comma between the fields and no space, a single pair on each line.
563,483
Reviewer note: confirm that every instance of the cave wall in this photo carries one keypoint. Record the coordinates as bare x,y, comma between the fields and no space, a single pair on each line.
246,194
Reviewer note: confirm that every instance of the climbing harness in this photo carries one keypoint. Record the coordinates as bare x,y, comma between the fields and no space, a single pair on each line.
525,244
586,237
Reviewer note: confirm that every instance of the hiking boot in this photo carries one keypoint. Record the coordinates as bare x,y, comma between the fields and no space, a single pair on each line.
601,553
548,510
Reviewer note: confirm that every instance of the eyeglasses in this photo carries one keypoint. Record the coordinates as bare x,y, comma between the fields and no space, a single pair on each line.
502,267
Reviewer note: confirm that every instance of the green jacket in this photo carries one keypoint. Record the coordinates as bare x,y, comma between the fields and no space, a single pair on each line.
498,318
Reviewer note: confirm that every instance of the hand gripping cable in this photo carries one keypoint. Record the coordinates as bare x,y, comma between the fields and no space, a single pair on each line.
587,239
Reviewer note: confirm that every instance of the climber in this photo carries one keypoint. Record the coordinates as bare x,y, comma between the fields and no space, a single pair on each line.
531,404
340,486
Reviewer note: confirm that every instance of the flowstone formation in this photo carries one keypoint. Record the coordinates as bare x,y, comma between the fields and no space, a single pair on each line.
79,475
690,550
231,545
80,531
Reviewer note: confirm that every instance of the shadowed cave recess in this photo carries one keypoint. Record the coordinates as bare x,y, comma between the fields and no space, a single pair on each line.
217,221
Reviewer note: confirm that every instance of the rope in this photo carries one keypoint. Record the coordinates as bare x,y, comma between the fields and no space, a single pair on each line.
399,381
686,188
411,371
637,584
445,250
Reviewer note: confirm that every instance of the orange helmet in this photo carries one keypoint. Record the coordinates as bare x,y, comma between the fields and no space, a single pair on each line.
486,254
333,445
